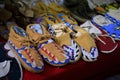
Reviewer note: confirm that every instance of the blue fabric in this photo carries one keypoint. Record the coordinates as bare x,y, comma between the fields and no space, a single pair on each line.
112,19
109,28
112,29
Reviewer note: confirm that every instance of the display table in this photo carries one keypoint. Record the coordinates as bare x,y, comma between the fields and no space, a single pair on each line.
106,65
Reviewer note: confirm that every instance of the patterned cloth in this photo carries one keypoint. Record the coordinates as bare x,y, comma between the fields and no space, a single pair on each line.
15,71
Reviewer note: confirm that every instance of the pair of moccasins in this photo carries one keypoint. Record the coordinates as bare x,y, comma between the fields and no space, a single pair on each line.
103,40
33,43
65,29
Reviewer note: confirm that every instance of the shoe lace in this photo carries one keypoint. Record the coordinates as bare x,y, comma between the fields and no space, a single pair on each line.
88,27
75,35
96,36
42,39
60,29
22,41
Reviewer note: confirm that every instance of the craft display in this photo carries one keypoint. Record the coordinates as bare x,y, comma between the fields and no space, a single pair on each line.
55,32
